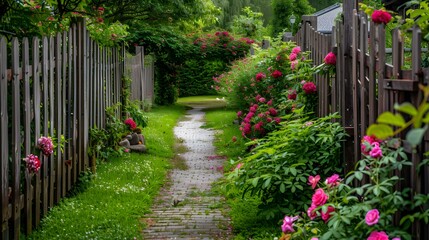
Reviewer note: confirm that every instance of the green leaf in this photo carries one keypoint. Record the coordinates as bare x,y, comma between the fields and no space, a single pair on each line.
407,108
376,191
426,119
392,119
415,136
255,182
359,175
282,188
380,131
293,171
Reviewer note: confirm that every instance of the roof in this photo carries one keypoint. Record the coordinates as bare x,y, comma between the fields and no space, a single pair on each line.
326,17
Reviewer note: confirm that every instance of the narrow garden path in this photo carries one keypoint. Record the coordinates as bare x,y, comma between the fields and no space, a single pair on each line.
187,208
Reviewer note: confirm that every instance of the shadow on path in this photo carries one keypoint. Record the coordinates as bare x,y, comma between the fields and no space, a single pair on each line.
186,208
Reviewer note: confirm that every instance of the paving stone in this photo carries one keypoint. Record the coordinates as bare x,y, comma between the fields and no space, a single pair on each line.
185,209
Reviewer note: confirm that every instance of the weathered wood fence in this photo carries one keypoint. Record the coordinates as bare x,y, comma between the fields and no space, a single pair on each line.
365,84
59,87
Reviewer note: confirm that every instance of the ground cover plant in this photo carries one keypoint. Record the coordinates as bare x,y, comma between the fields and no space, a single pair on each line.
121,191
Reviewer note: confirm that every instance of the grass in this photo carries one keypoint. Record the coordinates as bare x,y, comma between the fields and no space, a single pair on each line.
121,191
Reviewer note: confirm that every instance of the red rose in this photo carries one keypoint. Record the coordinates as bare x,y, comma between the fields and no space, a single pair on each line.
309,87
276,74
291,95
260,76
327,215
330,59
381,16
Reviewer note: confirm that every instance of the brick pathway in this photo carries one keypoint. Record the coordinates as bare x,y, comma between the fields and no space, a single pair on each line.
186,208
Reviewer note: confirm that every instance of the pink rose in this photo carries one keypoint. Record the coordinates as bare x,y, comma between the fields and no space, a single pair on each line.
309,87
273,111
333,180
311,213
381,16
330,59
313,181
296,50
327,215
276,74
269,103
376,150
262,100
239,113
293,64
372,217
319,197
260,76
292,57
378,236
291,95
239,165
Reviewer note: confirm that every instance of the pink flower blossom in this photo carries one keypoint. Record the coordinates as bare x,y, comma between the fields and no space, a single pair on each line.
269,103
45,145
366,143
287,225
259,126
130,123
371,217
296,50
293,64
313,181
260,76
292,57
311,213
381,16
262,100
239,165
309,87
276,74
273,111
315,238
319,197
333,180
327,215
32,163
376,150
330,59
378,236
277,120
396,238
239,113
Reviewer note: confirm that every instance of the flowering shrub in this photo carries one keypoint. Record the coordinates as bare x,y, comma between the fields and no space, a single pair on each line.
279,172
45,145
32,163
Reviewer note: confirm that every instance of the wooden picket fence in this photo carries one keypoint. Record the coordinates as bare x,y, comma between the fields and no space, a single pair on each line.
59,87
366,85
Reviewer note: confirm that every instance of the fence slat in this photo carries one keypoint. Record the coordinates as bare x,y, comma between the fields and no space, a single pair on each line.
355,42
16,142
27,214
45,126
4,147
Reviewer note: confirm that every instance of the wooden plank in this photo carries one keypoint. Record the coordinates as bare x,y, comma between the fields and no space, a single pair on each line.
70,109
45,126
4,141
74,85
64,119
58,117
355,42
16,142
406,85
372,84
381,42
37,124
85,127
27,213
51,102
363,34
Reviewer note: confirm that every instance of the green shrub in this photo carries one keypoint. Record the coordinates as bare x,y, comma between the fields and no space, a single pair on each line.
278,167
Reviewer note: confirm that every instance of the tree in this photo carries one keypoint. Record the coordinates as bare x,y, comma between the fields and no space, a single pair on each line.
283,9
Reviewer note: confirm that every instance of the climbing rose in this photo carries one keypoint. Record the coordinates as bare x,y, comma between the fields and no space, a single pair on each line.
381,16
319,197
260,76
330,59
366,142
276,74
378,236
45,145
287,226
262,100
292,57
309,87
372,217
293,64
376,150
296,50
130,123
327,215
333,180
269,103
32,163
273,111
313,181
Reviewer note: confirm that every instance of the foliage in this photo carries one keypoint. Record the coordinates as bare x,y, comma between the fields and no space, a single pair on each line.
249,25
272,171
284,9
319,5
120,193
133,108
